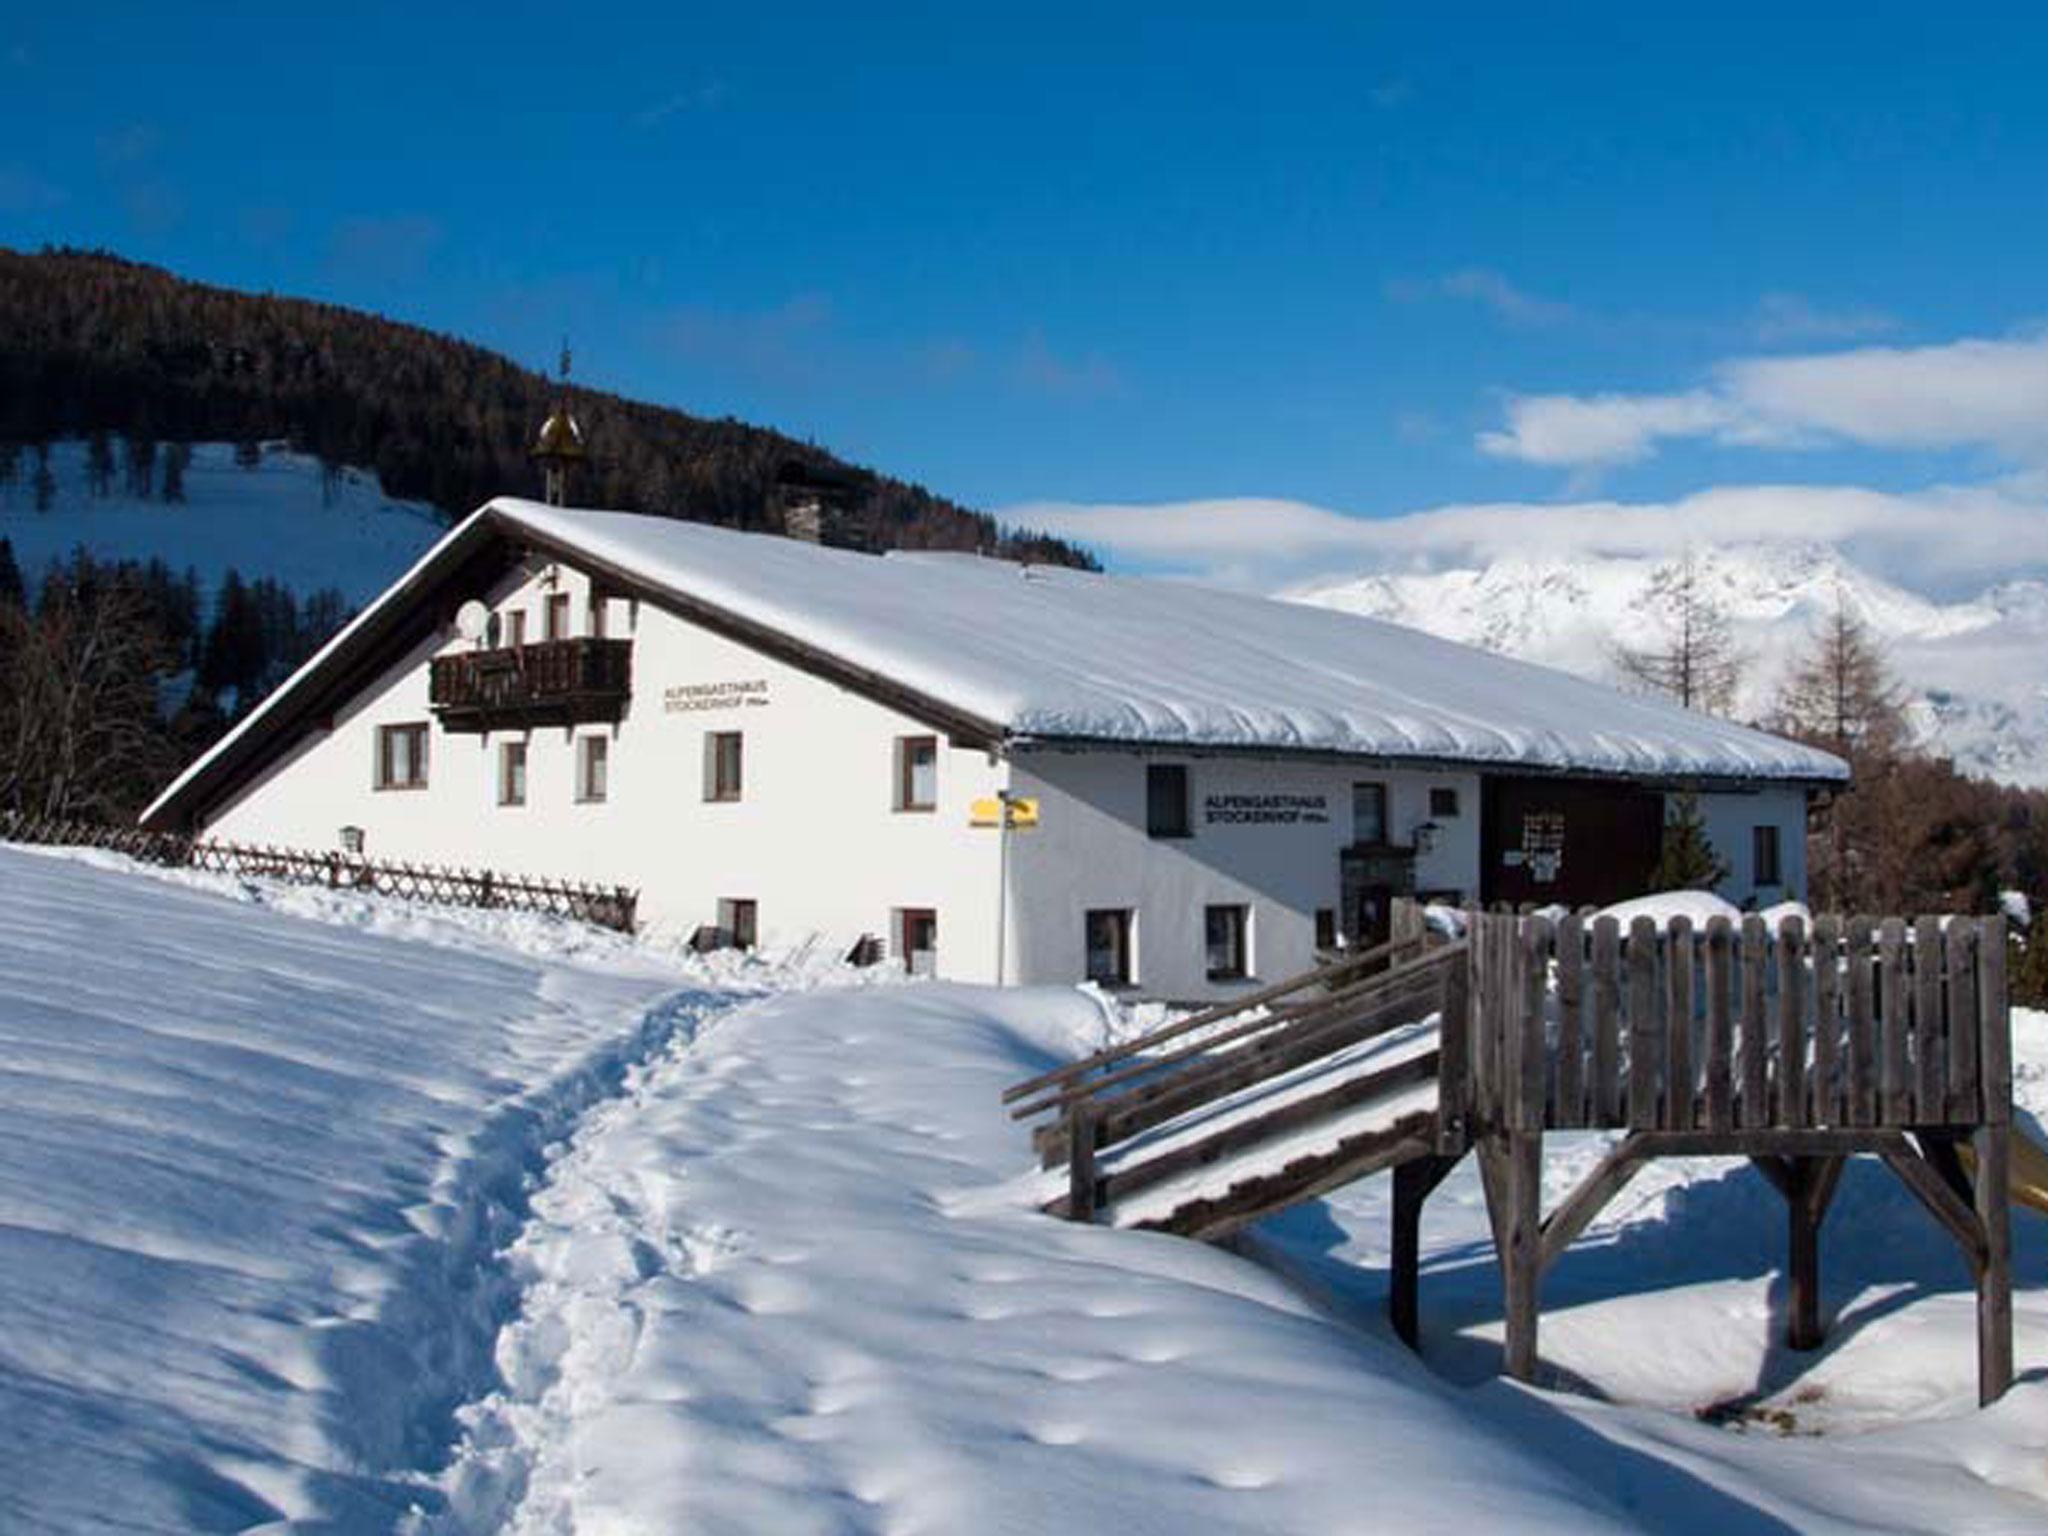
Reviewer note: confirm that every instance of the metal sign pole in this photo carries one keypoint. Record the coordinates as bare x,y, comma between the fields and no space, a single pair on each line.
1002,880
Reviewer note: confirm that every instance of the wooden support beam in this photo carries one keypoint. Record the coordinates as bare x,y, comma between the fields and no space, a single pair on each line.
1516,1202
1413,1184
1081,1182
1994,1278
1811,1186
1561,1228
1932,1191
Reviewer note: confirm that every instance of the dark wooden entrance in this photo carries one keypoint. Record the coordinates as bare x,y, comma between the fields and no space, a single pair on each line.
1574,842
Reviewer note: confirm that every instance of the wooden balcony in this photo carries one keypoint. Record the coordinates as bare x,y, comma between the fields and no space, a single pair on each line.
557,682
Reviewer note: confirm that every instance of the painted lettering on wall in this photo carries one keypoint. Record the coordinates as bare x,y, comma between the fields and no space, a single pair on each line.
1266,810
689,698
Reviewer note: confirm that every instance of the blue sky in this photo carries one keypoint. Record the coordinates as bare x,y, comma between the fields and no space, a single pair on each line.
1358,260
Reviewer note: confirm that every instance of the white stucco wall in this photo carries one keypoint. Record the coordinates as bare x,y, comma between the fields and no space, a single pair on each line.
1091,850
1730,821
815,839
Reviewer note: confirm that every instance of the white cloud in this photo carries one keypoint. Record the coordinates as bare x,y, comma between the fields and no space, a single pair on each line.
1582,431
1485,287
1937,541
1782,317
1972,393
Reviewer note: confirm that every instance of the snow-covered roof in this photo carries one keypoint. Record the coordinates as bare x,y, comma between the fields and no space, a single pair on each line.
1045,653
1048,652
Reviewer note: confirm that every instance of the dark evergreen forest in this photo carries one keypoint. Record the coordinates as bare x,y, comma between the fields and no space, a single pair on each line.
94,344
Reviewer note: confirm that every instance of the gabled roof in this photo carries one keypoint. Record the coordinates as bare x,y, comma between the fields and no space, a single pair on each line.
1020,654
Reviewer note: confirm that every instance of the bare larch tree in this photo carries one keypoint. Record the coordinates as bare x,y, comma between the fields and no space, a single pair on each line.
1694,659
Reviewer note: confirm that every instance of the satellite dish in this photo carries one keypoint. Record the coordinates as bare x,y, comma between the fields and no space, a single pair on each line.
473,620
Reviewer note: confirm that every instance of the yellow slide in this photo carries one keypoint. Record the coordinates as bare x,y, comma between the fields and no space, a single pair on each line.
2029,1170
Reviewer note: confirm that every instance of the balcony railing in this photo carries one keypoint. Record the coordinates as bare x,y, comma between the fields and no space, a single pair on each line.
557,682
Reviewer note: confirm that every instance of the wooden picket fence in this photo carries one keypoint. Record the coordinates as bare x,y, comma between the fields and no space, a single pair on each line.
1859,1022
614,907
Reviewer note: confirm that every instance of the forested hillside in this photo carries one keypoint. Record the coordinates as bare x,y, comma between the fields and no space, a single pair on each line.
96,344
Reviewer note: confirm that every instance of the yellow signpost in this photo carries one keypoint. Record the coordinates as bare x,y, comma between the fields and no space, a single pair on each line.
988,811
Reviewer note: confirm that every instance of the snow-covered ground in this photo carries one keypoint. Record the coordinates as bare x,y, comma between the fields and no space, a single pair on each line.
323,1211
283,518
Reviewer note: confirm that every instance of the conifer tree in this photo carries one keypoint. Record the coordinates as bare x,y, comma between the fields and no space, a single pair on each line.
1687,860
13,592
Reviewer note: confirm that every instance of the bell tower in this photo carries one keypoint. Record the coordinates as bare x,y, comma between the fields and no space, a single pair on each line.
559,447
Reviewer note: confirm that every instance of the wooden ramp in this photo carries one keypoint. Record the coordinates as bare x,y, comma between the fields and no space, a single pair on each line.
1239,1111
1794,1048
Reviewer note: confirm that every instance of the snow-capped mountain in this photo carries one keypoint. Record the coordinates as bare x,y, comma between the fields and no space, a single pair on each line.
1972,669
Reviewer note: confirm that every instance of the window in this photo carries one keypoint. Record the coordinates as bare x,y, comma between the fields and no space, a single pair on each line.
917,773
1326,927
512,773
557,616
1224,930
1369,814
1764,856
722,765
402,757
598,603
1166,800
515,627
739,921
1443,801
1108,938
917,940
593,767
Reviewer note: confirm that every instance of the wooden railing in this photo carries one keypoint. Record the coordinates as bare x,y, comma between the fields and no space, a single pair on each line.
602,906
1112,1100
552,682
1863,1023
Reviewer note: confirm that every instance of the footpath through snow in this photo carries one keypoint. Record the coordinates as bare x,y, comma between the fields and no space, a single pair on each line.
254,1173
786,1284
293,1214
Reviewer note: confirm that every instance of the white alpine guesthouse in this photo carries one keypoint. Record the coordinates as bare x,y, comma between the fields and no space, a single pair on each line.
987,770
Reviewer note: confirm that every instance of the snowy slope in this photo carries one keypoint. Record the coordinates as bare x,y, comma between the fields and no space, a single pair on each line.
458,1223
782,1287
252,1174
793,1282
282,519
1973,667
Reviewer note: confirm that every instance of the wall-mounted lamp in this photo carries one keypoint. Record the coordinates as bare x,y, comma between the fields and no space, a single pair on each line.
1426,834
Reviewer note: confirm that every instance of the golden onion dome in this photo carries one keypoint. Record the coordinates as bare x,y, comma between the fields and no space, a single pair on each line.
560,437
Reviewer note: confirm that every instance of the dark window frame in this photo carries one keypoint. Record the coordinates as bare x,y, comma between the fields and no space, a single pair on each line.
1169,812
1443,801
906,919
1379,788
1123,923
721,787
1766,855
387,779
906,774
555,616
739,920
1237,942
593,747
507,751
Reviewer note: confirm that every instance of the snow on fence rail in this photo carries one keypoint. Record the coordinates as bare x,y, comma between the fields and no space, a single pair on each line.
600,905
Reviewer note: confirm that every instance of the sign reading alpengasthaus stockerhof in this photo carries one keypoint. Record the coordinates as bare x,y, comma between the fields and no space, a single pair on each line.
1266,810
693,698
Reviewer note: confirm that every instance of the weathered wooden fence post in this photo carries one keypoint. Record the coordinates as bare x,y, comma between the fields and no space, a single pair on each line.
1081,1135
1993,1139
